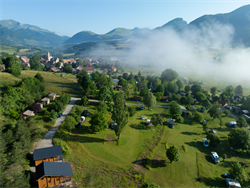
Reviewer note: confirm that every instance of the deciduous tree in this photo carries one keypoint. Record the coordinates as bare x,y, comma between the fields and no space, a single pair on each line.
213,90
149,100
187,89
98,122
239,90
198,117
241,122
239,138
238,172
180,84
214,139
214,111
175,108
120,114
173,154
169,75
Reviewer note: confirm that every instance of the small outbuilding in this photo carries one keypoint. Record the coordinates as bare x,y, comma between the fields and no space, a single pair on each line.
46,100
28,113
52,95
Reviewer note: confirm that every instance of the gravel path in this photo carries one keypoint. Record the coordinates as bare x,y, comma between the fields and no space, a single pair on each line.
46,141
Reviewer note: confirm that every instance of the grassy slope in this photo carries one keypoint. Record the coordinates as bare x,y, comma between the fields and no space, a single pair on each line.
194,162
53,83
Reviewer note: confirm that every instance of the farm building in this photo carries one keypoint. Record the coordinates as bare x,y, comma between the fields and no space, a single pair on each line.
49,154
50,174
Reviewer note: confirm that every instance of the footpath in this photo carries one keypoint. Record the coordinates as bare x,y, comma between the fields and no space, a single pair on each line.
46,141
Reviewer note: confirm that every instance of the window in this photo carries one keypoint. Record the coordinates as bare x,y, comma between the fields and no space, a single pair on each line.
51,157
57,179
49,181
41,178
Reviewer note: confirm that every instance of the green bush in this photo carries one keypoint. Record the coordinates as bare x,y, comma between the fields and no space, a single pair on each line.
137,176
184,148
65,147
166,146
131,111
151,184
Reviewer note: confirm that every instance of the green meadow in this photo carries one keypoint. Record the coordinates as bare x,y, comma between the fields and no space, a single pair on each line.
97,160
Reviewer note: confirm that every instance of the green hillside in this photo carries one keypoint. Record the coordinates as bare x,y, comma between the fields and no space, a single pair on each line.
53,82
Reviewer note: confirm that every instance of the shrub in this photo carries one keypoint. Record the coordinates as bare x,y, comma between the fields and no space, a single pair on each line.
65,147
131,111
184,148
151,184
166,146
14,114
137,176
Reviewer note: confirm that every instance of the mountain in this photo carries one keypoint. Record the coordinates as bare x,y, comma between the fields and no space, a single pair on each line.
239,19
176,24
121,33
26,34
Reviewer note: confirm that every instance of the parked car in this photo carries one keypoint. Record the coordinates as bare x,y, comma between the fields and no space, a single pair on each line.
142,107
112,124
215,157
231,183
172,126
205,142
60,115
143,117
85,113
212,131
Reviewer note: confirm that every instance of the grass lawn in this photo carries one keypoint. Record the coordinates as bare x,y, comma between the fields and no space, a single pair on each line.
53,82
96,159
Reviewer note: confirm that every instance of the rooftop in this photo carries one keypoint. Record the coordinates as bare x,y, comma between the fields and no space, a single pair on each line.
47,152
53,169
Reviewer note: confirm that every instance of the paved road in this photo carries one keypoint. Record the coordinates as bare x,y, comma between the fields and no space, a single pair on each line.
233,116
46,141
139,103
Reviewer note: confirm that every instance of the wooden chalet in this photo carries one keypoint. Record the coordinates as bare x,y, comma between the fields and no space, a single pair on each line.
52,174
50,154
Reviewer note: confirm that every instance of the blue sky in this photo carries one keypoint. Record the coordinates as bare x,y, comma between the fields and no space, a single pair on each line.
72,16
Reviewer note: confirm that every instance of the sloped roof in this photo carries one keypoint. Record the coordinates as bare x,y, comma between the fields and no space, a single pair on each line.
222,103
45,99
28,113
52,94
47,152
53,169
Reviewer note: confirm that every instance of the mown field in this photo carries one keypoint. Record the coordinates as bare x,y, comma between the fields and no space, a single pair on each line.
98,161
53,82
